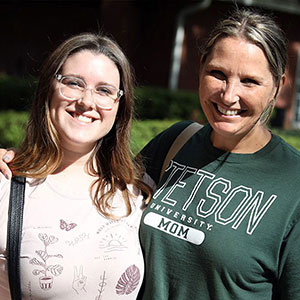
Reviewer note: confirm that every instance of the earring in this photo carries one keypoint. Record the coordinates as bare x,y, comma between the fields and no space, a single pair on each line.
266,114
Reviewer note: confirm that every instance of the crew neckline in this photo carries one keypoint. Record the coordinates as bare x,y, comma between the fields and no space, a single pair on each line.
68,192
222,155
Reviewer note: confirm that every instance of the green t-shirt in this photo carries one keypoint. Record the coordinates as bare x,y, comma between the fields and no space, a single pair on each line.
222,225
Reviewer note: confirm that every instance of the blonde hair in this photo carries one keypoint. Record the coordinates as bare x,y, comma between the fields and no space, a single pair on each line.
40,153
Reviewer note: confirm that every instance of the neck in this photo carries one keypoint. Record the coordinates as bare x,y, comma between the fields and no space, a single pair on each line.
73,161
73,172
247,144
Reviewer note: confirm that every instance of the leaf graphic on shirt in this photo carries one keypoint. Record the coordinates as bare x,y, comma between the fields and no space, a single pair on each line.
55,270
36,262
37,272
128,281
42,254
43,237
52,239
47,240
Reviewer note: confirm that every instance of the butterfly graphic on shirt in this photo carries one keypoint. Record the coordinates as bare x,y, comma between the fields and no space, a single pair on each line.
65,226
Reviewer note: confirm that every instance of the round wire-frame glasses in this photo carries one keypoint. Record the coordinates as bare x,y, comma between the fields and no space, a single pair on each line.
74,88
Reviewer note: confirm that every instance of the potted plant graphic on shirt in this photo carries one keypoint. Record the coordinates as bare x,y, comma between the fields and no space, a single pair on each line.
47,270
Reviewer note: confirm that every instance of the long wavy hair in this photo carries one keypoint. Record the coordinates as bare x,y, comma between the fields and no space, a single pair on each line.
111,161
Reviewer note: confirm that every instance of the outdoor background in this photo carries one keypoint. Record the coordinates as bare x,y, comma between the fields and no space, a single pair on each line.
162,40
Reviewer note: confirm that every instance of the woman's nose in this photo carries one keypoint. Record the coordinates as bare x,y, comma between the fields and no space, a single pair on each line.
230,93
87,100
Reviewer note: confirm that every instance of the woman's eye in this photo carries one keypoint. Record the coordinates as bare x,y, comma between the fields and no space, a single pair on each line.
217,74
249,81
104,90
73,83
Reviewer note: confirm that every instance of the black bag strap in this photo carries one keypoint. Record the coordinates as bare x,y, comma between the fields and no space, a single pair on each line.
14,235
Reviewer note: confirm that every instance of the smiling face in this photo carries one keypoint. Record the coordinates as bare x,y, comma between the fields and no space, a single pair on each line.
80,124
236,86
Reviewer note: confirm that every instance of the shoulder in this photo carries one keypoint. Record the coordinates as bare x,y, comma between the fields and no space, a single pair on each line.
287,154
5,191
166,137
154,153
172,132
4,204
4,187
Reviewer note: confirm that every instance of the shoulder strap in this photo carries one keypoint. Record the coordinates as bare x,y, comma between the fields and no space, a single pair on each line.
178,143
14,235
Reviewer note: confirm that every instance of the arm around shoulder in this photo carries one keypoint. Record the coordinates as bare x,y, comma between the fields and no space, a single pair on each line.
6,156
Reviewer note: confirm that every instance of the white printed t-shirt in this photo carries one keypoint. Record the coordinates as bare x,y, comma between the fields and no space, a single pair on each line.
69,250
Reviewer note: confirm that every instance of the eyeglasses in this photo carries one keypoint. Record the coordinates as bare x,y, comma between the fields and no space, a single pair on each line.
73,88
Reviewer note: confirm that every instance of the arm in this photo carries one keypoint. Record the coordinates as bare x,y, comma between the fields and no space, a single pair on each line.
6,156
289,271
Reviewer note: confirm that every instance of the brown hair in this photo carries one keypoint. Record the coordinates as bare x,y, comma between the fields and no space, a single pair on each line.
40,153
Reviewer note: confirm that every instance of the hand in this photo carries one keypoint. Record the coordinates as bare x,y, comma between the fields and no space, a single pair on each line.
79,280
6,156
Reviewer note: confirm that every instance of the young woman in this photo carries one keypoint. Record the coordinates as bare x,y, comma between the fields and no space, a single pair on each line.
224,220
83,200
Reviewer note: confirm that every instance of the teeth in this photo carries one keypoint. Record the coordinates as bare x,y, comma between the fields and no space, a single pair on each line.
228,112
82,118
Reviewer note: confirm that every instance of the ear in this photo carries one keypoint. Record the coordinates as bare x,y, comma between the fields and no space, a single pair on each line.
283,80
280,85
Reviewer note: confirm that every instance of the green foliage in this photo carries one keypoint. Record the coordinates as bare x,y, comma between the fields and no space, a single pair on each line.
12,128
159,103
143,131
291,136
15,92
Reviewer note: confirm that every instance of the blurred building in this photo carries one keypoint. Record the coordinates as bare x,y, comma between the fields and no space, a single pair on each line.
160,37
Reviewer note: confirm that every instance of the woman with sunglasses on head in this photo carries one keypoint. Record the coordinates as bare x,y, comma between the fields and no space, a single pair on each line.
83,194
